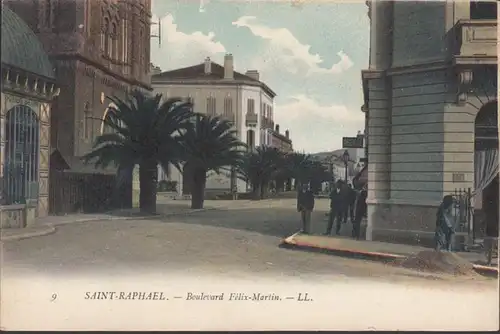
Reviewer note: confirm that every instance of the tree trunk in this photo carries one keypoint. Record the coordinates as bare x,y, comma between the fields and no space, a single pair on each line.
198,188
264,189
256,189
148,172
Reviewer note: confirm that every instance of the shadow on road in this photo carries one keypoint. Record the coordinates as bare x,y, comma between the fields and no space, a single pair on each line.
273,221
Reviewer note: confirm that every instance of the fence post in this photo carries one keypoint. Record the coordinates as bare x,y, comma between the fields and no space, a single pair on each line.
470,218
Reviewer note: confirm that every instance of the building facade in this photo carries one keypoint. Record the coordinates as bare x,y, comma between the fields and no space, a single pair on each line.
430,102
282,142
221,91
28,88
99,48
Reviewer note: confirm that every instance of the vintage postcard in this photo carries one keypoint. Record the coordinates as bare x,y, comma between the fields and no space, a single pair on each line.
240,165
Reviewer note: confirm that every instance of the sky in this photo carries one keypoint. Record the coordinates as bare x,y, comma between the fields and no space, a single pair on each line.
309,53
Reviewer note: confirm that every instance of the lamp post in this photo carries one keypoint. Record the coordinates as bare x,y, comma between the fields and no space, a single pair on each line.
345,157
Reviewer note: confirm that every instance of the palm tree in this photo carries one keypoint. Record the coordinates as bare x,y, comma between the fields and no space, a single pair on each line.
145,132
210,144
259,167
298,166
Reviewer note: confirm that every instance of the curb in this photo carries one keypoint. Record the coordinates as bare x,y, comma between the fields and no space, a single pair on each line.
48,230
290,243
112,218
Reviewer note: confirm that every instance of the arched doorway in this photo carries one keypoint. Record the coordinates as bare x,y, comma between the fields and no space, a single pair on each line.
22,134
486,167
105,128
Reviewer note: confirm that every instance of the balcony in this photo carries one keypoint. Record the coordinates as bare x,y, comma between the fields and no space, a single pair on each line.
251,119
476,42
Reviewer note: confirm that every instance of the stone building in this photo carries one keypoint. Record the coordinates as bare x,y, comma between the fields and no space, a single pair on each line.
28,87
99,48
281,141
220,90
431,108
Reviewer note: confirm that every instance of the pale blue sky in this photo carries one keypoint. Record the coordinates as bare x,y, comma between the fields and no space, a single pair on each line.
310,54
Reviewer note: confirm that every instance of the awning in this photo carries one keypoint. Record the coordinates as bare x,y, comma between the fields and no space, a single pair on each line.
362,176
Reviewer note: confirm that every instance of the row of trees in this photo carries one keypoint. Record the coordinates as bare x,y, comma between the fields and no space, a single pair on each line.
148,132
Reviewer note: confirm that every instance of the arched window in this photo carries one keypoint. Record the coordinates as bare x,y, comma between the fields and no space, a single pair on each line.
109,39
104,37
49,7
114,41
141,55
22,134
105,128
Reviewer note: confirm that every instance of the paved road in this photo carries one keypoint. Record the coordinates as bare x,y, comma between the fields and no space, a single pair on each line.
219,247
240,241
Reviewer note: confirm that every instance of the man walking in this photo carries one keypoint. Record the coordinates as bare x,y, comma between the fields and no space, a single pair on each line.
305,205
337,200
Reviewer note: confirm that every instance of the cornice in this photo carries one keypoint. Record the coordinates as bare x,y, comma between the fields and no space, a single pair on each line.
221,82
27,84
98,66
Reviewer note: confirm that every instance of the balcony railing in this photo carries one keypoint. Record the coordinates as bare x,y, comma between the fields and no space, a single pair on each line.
476,42
251,119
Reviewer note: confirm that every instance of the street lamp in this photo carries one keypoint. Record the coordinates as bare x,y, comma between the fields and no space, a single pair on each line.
345,157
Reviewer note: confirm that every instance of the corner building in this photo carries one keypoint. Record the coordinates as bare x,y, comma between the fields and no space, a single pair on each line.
431,113
99,48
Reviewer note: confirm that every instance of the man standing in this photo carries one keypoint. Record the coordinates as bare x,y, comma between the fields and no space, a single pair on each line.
305,205
360,212
351,198
337,200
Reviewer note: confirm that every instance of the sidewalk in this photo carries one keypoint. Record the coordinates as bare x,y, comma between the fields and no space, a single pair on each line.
372,250
165,208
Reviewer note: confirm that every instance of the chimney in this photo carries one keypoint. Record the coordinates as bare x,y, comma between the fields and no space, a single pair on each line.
208,65
254,74
287,134
228,66
277,128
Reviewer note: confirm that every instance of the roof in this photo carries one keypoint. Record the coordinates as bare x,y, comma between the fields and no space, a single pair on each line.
21,48
197,72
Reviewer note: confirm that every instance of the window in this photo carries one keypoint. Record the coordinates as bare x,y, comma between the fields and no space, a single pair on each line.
22,134
141,55
251,140
114,41
250,106
263,109
49,7
104,37
109,36
228,108
124,41
211,106
87,119
483,10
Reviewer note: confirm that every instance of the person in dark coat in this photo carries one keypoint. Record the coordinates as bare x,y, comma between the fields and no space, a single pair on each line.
337,208
359,212
444,225
351,195
305,205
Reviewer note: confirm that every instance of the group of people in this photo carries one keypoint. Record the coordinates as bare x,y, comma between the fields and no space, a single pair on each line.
346,203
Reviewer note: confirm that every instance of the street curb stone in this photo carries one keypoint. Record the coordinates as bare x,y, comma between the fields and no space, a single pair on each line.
48,230
51,228
291,243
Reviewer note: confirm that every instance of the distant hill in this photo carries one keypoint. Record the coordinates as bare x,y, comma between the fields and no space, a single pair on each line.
353,154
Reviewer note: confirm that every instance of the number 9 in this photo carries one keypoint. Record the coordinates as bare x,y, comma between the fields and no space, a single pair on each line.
54,297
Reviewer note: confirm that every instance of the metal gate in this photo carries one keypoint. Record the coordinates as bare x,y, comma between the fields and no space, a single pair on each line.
464,217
